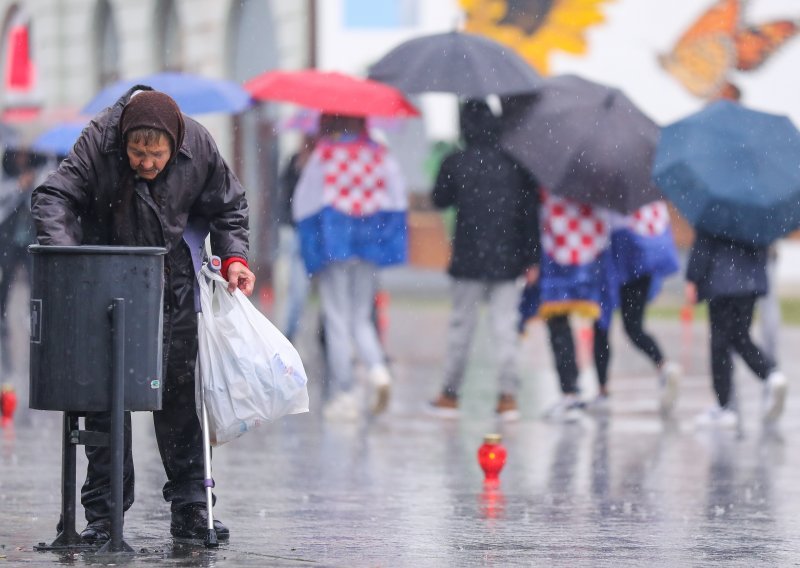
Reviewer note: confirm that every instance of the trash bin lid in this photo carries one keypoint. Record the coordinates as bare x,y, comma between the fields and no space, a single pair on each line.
95,249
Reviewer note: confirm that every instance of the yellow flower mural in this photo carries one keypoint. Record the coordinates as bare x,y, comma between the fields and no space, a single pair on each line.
535,28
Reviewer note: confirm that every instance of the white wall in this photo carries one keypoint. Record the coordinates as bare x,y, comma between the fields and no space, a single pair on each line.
353,50
623,52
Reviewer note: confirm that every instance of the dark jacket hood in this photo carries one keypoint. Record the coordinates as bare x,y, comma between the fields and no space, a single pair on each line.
478,124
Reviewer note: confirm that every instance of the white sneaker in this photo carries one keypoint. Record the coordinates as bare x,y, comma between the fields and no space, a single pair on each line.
668,382
601,404
774,395
343,407
717,417
568,409
381,382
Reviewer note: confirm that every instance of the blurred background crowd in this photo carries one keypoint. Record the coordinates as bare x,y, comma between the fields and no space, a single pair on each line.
61,62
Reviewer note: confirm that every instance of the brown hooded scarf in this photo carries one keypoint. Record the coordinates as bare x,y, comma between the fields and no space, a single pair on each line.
145,109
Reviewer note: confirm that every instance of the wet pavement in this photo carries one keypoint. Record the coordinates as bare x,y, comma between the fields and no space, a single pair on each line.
405,489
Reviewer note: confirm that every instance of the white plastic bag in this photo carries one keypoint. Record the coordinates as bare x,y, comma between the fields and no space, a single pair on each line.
248,373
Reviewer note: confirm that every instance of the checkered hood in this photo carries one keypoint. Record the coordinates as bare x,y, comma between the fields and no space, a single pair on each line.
573,233
354,177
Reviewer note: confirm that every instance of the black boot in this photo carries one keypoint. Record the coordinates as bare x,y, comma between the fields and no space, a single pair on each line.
191,521
97,532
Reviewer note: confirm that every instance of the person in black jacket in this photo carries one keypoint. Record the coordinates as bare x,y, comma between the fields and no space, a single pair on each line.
730,276
496,242
141,174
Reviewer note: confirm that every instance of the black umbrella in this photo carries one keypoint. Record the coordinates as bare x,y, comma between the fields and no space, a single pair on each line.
468,65
584,141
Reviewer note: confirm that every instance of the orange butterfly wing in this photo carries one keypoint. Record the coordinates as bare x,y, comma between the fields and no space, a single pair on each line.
721,18
755,44
706,51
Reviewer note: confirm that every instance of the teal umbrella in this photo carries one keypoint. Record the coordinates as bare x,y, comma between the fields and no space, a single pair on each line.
733,172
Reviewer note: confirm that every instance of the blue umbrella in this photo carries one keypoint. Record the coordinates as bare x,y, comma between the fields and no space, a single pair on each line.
59,139
733,172
193,93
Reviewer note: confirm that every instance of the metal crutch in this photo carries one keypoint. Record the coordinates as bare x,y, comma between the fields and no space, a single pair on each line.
214,264
211,533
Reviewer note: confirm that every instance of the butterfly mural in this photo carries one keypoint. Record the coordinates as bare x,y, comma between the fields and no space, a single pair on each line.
718,43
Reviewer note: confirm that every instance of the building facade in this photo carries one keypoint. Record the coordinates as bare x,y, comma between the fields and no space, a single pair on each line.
55,55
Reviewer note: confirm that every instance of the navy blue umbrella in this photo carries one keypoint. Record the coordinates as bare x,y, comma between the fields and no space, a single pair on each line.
193,93
733,172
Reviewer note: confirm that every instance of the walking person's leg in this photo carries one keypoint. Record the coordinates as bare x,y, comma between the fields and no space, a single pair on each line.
562,344
363,287
298,287
503,313
633,297
337,315
602,357
741,318
720,319
467,296
763,366
724,414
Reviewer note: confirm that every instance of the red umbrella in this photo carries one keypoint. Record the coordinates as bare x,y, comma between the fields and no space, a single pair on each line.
330,92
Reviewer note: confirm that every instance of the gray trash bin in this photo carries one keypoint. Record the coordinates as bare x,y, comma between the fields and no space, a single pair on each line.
71,341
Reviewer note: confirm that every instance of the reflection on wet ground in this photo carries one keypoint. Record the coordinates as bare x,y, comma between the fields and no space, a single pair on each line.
622,488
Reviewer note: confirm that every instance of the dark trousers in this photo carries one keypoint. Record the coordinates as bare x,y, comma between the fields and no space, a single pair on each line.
633,300
730,318
563,346
178,434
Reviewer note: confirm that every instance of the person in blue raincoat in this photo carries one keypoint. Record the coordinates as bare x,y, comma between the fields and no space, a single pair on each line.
577,277
730,276
350,208
644,253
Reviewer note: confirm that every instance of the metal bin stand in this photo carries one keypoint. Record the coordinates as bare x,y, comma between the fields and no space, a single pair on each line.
96,346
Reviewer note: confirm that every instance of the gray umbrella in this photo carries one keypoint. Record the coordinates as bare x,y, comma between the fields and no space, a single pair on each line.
584,141
468,65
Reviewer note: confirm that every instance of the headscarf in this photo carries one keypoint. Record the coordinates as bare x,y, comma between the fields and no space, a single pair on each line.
145,109
153,109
